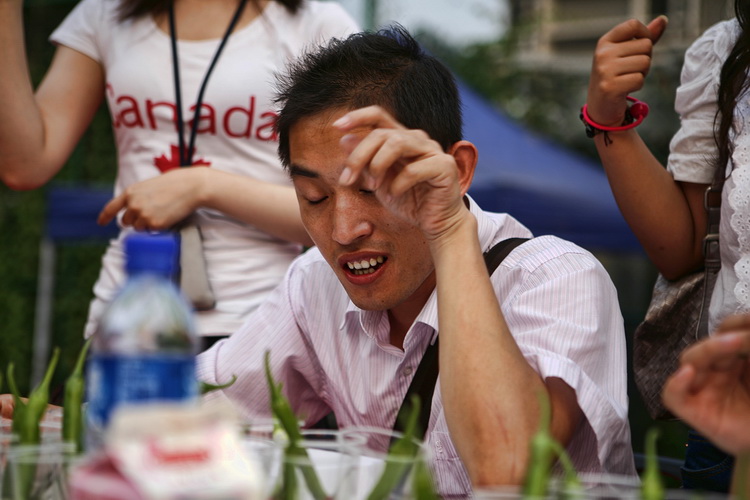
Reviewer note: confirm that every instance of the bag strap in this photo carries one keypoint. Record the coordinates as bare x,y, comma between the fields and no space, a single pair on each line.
495,255
711,255
423,383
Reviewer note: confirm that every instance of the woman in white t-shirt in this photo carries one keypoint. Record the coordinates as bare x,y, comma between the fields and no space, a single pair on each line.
123,51
665,207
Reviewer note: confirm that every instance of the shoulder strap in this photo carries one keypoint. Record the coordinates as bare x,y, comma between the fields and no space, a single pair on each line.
712,204
711,254
495,255
423,383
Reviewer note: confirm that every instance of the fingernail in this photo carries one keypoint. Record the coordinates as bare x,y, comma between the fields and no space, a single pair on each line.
342,122
730,338
346,176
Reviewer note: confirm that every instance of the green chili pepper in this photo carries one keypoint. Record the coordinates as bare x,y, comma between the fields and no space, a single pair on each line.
73,421
652,487
205,387
403,448
541,454
282,410
423,487
26,418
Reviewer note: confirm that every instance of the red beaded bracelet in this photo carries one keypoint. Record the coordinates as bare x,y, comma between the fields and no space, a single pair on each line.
634,116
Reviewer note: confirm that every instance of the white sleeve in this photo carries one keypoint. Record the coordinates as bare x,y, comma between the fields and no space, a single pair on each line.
562,310
83,28
692,149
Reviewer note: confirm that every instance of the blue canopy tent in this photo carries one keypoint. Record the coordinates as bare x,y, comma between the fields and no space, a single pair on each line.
548,188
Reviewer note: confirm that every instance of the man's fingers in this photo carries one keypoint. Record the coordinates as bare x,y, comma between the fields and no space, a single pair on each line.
371,116
381,149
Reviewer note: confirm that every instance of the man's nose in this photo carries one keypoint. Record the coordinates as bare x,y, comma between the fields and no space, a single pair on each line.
350,221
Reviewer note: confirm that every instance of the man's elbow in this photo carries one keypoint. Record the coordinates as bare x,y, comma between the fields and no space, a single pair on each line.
488,467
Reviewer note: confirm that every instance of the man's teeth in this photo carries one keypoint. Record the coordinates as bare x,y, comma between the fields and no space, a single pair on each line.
365,266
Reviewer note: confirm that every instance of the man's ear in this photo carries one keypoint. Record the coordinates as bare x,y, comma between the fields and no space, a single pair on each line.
465,154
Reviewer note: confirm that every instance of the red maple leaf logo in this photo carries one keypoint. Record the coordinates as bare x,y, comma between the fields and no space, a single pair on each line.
164,164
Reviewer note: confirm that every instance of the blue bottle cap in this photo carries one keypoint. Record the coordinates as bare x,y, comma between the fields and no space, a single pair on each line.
152,252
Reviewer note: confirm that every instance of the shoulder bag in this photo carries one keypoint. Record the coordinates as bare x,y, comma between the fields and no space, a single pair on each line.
677,315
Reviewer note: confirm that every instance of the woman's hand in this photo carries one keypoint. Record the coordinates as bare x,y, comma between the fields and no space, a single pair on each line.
621,62
158,203
711,389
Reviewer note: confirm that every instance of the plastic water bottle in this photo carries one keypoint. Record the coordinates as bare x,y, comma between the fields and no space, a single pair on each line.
144,348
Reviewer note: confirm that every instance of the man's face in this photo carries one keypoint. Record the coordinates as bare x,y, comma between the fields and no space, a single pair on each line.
382,261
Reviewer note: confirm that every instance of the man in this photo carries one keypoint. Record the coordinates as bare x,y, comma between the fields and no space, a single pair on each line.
370,131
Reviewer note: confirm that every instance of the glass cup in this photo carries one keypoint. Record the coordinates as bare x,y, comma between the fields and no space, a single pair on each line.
38,471
50,432
324,464
7,439
592,486
264,427
267,455
389,475
503,493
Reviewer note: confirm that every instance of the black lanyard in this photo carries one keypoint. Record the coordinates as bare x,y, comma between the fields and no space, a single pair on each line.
186,154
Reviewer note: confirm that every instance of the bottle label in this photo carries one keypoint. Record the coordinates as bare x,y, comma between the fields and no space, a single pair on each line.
114,380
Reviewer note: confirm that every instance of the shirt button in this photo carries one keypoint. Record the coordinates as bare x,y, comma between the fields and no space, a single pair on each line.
407,371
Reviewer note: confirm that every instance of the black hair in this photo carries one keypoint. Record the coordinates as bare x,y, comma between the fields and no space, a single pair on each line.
132,9
733,83
386,68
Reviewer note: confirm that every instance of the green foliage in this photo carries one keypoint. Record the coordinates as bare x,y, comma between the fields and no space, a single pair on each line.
205,387
652,486
73,425
283,412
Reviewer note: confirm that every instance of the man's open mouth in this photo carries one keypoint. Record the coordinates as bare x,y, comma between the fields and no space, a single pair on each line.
366,266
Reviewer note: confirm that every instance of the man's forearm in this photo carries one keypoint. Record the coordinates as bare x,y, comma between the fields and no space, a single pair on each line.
489,390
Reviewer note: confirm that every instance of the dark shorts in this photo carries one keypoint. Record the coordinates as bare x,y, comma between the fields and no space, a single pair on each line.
706,467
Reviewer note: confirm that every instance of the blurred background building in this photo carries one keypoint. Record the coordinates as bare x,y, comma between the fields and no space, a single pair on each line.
561,33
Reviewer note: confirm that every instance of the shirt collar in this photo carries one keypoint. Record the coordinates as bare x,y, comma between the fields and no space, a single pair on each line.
375,323
486,227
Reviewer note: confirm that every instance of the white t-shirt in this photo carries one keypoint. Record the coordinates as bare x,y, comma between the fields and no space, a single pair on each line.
692,156
235,133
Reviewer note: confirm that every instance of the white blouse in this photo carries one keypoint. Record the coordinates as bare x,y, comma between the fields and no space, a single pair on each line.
692,155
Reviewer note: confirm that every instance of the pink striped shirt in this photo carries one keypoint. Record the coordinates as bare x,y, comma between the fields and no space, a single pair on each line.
558,302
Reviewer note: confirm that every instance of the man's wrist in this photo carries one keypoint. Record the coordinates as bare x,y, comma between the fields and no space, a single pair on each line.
461,230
